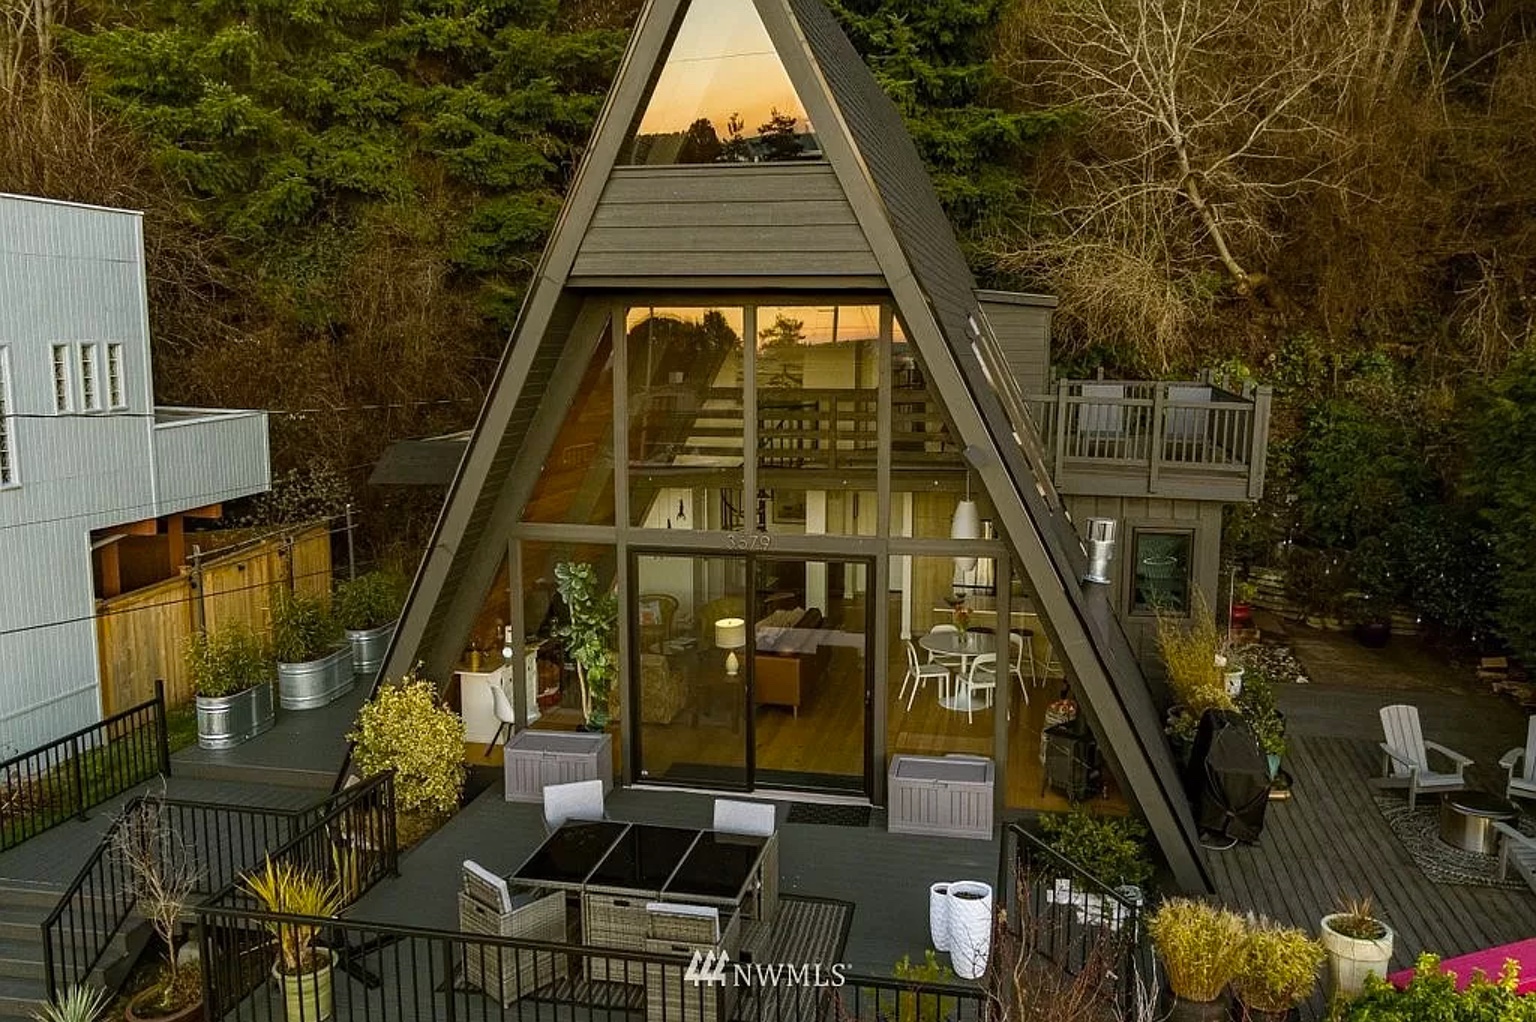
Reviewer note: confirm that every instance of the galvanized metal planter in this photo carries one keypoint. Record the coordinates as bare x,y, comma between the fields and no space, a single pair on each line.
369,646
310,685
226,721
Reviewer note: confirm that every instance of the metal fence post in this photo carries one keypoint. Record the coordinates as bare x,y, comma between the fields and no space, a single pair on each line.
162,729
351,546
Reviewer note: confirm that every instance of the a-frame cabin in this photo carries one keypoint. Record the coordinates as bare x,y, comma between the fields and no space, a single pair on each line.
754,386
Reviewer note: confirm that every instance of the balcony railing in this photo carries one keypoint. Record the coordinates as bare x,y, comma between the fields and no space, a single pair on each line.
206,456
1154,438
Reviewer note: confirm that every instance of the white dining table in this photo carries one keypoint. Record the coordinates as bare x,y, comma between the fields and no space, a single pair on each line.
967,646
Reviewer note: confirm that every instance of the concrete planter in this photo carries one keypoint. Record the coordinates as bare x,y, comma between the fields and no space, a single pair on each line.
310,685
1351,959
226,721
369,646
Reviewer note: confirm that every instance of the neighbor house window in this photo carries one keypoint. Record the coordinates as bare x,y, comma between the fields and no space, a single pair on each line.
90,390
62,396
1160,579
723,96
117,394
7,438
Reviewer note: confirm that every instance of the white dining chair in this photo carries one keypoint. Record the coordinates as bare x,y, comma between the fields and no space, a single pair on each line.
758,819
1020,649
506,717
954,661
576,800
982,677
918,674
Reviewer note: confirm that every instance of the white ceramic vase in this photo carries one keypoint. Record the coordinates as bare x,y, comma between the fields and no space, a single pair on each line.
970,927
938,916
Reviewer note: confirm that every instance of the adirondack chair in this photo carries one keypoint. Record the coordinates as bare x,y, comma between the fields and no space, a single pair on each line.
1405,759
1517,850
1521,764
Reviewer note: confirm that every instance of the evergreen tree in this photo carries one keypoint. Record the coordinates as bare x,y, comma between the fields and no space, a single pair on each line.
779,138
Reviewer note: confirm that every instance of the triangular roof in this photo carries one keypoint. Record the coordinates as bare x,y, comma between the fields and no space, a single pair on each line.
910,239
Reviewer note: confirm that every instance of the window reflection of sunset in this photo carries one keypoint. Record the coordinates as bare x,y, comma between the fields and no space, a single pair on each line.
722,63
823,325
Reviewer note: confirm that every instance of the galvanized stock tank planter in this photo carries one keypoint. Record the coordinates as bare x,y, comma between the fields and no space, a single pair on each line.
315,683
224,722
369,646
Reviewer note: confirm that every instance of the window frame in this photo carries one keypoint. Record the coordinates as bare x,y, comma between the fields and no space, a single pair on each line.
10,474
117,380
88,358
63,377
1152,529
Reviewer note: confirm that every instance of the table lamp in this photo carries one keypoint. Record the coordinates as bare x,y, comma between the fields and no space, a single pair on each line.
731,634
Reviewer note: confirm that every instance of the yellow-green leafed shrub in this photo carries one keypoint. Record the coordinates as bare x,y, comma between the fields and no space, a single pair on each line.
405,729
1279,969
1189,649
1201,947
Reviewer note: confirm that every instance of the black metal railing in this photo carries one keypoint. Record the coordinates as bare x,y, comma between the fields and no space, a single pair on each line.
64,779
392,973
221,840
1085,928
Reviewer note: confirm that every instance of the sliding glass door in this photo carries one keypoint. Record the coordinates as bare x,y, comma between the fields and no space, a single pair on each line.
751,671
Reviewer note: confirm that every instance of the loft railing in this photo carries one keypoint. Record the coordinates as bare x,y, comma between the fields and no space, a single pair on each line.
66,778
222,841
1153,427
1081,925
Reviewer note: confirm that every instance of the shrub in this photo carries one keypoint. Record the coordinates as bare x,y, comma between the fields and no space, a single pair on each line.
1201,947
1112,849
371,600
1279,967
921,1006
302,627
227,662
1256,702
405,729
1432,994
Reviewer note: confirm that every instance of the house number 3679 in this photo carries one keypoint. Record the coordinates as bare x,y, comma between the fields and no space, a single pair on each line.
748,541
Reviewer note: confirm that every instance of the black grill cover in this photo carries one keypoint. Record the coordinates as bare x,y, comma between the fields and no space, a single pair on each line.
1228,778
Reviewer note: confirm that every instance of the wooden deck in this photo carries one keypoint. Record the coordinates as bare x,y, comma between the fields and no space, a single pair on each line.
1330,842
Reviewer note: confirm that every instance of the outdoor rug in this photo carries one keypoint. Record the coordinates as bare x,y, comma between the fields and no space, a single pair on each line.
1419,831
828,815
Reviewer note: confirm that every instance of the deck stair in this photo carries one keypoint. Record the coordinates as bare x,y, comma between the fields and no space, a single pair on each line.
23,907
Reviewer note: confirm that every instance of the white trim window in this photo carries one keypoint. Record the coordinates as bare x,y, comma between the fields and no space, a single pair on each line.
63,388
90,378
7,434
117,393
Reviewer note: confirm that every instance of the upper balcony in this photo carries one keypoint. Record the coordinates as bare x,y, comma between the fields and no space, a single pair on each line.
208,455
1188,440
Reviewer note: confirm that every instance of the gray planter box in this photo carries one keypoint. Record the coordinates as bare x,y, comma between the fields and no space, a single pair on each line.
537,758
369,646
226,721
947,796
308,686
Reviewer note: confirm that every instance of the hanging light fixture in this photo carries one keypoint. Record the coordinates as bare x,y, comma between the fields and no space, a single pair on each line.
966,525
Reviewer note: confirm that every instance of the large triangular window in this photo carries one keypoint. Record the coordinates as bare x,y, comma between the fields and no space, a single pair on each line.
722,96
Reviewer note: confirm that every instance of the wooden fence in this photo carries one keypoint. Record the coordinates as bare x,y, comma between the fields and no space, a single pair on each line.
140,635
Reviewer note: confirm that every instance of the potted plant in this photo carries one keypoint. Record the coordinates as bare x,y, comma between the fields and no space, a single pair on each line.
1191,654
589,638
1278,972
1256,703
1358,945
1202,949
77,1004
406,729
368,608
303,968
1242,604
314,660
231,677
162,873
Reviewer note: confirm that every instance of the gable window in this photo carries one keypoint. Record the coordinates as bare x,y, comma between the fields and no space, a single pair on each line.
1160,571
63,396
722,96
90,390
7,439
117,393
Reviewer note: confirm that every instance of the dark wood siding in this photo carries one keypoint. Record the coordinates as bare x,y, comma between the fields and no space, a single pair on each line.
1024,333
737,221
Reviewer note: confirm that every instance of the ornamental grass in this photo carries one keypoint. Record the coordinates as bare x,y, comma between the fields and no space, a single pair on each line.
1189,650
1202,947
1279,967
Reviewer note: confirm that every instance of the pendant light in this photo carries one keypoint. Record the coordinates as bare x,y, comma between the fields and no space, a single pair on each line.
966,525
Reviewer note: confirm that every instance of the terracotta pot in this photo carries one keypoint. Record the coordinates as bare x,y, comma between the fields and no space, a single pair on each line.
136,1011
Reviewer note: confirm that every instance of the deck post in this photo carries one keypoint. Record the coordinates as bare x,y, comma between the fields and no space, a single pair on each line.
1258,456
1159,428
1062,390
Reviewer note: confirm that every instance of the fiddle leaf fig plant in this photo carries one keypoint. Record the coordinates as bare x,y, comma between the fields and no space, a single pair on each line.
589,636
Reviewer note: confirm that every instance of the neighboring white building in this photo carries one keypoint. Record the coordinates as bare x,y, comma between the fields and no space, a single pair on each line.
83,448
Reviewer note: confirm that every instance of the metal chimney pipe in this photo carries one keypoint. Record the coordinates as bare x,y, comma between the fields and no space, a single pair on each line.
1101,550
